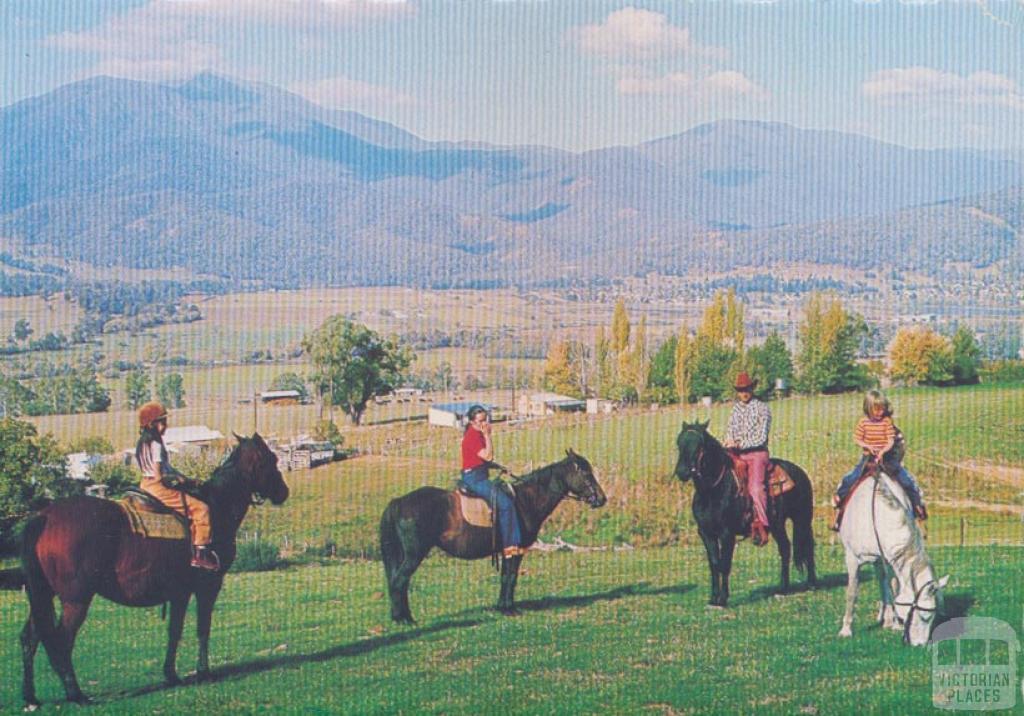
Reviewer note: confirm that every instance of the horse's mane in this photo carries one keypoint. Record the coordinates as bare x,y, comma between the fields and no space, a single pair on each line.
542,472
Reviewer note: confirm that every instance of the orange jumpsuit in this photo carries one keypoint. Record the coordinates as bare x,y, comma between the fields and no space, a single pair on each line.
153,460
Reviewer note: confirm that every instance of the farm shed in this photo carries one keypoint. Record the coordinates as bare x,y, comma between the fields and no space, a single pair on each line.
187,439
452,415
549,404
280,397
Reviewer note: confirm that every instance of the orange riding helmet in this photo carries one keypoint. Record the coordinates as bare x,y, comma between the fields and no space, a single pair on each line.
150,413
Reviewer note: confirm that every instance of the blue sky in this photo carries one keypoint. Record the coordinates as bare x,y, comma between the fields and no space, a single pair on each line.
575,74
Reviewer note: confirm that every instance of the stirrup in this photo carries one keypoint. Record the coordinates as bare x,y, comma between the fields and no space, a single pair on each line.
204,557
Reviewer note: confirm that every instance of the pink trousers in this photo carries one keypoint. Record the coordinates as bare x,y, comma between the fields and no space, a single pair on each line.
757,464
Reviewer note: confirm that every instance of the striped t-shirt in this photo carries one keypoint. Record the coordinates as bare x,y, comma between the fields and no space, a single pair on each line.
875,433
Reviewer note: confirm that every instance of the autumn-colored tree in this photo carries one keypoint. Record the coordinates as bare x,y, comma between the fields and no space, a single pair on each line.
920,355
639,360
620,328
682,370
829,338
559,376
604,364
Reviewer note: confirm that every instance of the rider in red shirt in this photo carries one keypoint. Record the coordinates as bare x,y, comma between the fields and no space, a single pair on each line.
477,453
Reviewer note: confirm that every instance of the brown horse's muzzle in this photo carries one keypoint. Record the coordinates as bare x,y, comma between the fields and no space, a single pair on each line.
280,494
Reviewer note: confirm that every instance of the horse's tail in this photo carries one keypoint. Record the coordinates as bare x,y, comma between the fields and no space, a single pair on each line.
40,593
802,515
391,548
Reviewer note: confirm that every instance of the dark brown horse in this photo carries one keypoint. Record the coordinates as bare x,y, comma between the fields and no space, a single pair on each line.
414,523
77,548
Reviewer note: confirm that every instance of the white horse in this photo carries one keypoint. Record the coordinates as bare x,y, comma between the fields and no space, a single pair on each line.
878,526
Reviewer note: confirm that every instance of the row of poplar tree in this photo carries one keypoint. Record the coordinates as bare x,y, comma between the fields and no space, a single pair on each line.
621,365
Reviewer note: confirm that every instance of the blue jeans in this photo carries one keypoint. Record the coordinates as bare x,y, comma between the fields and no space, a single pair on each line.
508,522
903,477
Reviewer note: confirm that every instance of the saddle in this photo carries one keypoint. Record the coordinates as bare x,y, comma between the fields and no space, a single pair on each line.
776,479
870,470
475,510
150,518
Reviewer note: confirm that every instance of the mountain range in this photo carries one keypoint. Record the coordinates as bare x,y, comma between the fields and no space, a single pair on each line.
249,182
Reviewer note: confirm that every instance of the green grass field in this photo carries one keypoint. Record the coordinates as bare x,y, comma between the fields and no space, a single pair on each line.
606,631
601,632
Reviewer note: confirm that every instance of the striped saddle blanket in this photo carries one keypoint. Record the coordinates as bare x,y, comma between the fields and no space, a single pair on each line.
154,525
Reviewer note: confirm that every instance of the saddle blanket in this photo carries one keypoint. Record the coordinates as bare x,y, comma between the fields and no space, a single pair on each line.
475,510
154,525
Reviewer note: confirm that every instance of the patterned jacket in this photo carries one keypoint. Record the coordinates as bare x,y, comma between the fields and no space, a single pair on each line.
749,425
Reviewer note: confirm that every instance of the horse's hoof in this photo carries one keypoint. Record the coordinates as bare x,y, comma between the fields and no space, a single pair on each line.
80,699
31,706
172,680
845,632
202,676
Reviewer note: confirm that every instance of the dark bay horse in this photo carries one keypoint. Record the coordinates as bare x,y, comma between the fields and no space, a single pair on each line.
720,509
82,546
414,523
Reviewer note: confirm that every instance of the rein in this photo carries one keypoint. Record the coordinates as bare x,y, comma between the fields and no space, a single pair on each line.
912,606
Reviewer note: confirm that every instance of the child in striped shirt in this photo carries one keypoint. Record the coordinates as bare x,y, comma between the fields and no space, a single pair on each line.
877,435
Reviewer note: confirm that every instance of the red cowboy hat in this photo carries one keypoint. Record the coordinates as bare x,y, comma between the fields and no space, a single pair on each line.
744,382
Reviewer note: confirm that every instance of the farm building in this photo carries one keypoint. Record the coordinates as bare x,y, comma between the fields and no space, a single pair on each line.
303,452
280,397
452,415
549,404
187,439
600,406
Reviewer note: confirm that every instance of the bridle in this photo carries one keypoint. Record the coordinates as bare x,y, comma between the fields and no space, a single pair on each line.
914,606
698,463
590,498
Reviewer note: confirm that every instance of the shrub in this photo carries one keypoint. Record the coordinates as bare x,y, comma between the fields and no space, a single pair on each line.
257,555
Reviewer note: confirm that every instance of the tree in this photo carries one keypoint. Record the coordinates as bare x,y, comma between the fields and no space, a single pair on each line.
32,471
353,364
115,475
559,376
171,391
920,355
326,430
683,369
604,365
966,357
291,381
712,370
769,362
92,444
639,366
136,388
661,380
22,330
620,328
829,337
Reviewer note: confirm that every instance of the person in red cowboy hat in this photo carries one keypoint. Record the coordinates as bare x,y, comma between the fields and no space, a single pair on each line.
164,483
747,434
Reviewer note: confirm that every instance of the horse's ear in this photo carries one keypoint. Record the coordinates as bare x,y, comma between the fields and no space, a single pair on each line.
705,424
238,437
570,453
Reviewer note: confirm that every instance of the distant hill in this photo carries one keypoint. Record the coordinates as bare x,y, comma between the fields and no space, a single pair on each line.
249,182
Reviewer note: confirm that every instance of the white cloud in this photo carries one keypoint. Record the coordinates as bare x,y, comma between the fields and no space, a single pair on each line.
727,83
632,32
345,93
924,84
167,39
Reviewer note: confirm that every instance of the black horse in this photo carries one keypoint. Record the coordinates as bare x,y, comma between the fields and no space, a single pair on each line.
414,523
721,510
